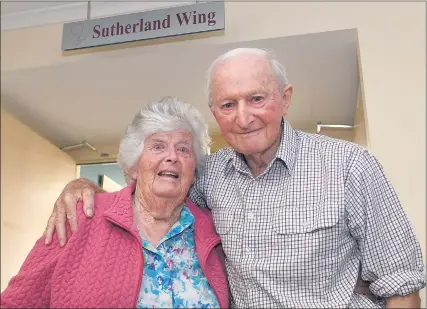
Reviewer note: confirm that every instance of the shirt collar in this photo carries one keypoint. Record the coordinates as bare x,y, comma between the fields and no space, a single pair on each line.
286,152
186,220
288,148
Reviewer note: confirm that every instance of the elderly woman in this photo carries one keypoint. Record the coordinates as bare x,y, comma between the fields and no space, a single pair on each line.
147,246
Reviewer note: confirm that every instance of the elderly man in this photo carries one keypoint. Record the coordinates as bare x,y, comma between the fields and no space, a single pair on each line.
303,218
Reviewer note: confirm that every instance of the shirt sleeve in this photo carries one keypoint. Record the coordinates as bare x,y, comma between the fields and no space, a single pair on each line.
197,190
390,254
196,194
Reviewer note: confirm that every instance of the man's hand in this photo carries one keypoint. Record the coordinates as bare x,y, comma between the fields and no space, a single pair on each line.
65,208
409,301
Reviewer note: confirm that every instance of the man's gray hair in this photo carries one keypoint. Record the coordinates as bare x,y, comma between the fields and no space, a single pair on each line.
168,114
278,68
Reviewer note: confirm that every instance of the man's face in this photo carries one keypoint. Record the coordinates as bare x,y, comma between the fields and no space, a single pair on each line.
247,103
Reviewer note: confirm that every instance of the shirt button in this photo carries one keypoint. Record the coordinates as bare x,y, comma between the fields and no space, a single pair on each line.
251,216
306,224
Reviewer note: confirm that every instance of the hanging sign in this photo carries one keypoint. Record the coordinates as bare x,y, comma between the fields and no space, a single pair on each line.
169,22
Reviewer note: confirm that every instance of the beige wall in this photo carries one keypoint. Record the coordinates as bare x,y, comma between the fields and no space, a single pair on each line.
392,59
218,141
33,173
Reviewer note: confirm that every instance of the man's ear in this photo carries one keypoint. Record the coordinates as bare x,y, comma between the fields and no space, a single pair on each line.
287,98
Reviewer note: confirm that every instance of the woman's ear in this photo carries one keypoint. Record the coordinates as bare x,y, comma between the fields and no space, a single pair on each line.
194,178
132,175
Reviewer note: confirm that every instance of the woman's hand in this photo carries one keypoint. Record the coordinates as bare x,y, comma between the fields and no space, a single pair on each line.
65,208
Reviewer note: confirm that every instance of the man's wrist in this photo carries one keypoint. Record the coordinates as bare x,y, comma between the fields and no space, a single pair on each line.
408,301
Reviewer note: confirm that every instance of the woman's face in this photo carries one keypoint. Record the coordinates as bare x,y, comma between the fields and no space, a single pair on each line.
165,170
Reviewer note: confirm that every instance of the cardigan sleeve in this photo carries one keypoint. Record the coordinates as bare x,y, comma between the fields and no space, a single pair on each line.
31,287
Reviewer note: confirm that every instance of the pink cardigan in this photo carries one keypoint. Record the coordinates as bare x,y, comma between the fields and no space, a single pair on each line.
101,265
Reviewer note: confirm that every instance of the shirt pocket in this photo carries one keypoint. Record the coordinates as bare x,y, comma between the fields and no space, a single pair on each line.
223,206
300,219
310,241
223,219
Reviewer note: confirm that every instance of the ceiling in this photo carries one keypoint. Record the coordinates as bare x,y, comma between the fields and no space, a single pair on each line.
15,6
95,98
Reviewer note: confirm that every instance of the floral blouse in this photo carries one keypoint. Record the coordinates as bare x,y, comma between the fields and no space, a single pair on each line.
172,276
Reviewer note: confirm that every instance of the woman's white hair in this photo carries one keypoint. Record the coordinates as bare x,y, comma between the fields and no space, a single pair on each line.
168,114
278,68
